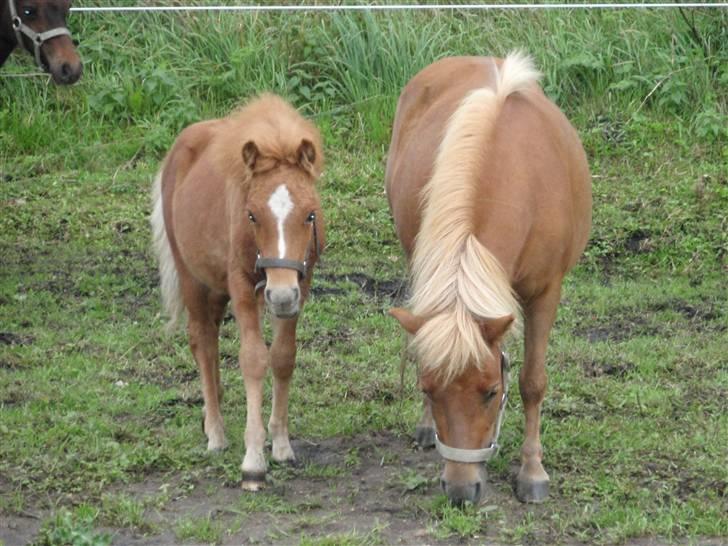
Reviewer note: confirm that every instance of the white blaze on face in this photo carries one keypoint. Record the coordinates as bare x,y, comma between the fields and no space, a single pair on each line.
281,205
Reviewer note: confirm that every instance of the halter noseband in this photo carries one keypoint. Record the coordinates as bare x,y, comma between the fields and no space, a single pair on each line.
459,455
261,263
38,38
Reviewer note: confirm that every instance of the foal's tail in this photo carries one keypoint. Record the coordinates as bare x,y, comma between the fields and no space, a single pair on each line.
168,278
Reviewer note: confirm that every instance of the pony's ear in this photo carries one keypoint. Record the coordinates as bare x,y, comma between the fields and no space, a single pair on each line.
493,330
411,323
306,155
250,154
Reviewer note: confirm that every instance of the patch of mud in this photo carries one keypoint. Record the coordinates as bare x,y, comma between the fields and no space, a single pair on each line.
624,324
599,368
618,328
9,338
392,289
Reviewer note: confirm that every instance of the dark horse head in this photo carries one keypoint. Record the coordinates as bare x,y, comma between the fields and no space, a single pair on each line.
39,27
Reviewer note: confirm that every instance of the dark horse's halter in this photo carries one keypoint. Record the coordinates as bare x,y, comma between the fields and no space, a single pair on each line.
38,38
459,455
261,264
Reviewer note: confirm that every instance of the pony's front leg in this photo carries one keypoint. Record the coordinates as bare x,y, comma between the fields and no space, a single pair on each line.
532,482
253,364
283,361
425,430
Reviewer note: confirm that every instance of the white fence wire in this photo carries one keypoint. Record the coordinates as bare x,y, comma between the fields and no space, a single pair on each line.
405,7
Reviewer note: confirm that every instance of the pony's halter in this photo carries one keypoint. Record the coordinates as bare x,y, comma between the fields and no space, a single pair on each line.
38,38
261,263
459,455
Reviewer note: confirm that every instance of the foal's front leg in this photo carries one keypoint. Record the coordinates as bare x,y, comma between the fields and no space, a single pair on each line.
283,361
253,364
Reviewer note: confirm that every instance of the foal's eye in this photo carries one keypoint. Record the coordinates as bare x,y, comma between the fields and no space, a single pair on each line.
251,217
311,218
29,11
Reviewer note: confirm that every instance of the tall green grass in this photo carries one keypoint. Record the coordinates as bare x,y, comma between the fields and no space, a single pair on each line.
175,68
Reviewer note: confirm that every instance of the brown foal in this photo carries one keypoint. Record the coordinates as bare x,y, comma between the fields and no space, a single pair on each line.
237,218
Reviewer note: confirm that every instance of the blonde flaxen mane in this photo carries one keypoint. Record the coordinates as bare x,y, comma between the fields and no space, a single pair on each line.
455,280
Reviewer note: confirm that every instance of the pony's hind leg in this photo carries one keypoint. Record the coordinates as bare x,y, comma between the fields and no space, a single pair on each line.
532,482
205,314
283,361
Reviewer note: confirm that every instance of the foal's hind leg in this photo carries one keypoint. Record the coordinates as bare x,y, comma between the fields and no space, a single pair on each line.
205,314
532,483
283,361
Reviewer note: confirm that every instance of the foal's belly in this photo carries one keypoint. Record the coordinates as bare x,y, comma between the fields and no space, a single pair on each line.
201,235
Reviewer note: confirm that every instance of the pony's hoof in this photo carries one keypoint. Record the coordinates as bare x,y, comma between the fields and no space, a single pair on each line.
253,481
214,448
532,491
425,437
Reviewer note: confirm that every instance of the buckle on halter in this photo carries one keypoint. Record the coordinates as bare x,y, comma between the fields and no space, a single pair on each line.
17,23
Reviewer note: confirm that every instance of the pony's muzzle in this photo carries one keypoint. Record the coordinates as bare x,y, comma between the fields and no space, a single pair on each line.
283,301
468,486
62,60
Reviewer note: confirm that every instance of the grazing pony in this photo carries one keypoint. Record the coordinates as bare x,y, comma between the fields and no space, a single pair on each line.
39,27
490,192
237,218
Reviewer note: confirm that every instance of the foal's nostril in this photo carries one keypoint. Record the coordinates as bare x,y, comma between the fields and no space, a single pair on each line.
296,293
66,70
267,294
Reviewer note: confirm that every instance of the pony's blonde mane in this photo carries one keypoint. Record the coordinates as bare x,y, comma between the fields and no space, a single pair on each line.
277,130
455,280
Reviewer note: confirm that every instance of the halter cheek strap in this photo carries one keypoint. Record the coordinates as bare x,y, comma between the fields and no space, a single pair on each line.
485,454
38,38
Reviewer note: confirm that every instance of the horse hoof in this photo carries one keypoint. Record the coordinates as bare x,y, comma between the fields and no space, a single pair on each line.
425,437
253,481
532,491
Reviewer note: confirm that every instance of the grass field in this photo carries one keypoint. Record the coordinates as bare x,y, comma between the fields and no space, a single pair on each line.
100,436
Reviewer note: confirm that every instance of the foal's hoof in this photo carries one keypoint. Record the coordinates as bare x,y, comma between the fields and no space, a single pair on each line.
425,437
253,481
532,491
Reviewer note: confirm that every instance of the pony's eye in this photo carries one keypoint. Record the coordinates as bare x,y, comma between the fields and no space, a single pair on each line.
29,11
311,218
488,395
251,217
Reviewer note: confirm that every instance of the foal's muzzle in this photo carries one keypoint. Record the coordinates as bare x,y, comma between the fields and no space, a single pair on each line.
284,302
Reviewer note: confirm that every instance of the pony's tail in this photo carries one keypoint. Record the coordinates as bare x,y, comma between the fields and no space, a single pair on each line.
168,278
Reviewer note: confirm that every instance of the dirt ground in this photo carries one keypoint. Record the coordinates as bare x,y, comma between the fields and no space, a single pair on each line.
370,496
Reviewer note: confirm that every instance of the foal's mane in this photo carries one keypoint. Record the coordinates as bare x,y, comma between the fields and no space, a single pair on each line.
455,280
277,130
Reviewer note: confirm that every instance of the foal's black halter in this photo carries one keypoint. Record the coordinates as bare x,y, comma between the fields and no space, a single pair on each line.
261,263
38,38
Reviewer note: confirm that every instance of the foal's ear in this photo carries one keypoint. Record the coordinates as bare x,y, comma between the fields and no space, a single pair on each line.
493,330
411,323
250,154
306,155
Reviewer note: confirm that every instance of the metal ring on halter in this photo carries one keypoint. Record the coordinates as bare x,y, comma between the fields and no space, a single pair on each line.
460,455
